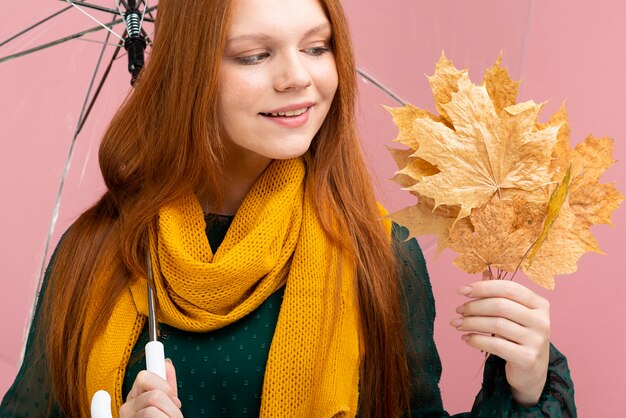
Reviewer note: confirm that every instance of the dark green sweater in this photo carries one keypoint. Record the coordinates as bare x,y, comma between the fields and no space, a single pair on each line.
220,373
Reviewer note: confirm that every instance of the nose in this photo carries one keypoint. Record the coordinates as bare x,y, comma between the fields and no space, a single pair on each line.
292,73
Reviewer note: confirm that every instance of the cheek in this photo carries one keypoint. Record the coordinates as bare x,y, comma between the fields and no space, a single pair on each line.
241,91
327,80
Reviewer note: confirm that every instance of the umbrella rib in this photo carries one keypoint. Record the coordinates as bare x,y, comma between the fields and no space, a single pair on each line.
70,153
148,11
96,42
62,40
35,25
381,87
94,19
94,6
99,88
119,8
145,6
53,43
145,34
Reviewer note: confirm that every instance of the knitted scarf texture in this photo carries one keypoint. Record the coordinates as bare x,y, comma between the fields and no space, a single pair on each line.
275,239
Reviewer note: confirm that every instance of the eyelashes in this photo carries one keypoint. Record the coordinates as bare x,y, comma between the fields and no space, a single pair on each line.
252,59
316,51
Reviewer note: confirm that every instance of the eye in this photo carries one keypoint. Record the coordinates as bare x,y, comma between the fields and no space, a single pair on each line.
317,51
252,59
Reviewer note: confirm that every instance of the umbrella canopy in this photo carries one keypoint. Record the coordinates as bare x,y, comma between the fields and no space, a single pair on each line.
50,133
543,44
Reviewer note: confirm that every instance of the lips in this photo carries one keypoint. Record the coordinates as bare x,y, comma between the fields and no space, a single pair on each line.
290,118
292,110
288,114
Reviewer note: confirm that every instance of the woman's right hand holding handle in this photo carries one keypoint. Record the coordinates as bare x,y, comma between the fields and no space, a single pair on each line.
153,397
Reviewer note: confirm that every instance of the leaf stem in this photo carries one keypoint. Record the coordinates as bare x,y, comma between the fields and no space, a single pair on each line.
523,257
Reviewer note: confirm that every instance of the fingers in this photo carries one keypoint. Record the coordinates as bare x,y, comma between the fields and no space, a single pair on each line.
499,326
152,396
505,289
505,349
170,374
153,403
147,381
505,308
511,321
504,318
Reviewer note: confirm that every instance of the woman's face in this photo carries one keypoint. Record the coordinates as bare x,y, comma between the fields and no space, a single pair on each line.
278,78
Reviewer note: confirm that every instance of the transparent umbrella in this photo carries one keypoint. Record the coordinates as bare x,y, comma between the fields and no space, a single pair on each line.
64,67
559,49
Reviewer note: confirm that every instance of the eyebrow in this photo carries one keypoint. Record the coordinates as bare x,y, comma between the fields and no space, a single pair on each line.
263,36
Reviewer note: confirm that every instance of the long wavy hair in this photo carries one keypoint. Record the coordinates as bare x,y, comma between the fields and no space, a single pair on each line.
163,143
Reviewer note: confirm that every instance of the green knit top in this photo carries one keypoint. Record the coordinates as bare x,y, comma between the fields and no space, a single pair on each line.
220,373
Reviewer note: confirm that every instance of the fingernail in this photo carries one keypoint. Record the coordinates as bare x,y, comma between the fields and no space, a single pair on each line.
465,337
179,404
465,290
456,322
167,360
460,309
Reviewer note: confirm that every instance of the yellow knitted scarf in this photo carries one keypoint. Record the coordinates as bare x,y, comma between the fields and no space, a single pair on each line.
275,239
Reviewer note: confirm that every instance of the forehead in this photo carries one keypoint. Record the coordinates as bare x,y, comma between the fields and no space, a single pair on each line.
275,18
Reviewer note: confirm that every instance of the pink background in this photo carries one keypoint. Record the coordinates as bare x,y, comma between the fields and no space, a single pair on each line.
562,50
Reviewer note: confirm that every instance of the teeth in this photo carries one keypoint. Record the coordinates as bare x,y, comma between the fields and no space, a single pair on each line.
290,113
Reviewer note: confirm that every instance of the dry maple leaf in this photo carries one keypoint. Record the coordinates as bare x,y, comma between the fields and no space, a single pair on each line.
591,201
501,89
561,151
446,80
485,153
560,252
424,219
410,169
499,236
555,204
502,189
588,203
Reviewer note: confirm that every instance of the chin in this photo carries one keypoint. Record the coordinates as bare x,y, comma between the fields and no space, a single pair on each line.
291,152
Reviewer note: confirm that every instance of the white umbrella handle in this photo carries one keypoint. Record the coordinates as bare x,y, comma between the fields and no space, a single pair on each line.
155,357
101,405
155,363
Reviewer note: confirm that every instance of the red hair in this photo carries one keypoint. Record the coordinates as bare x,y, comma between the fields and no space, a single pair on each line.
163,143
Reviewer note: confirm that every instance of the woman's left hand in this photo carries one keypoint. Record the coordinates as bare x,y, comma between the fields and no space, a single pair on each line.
511,321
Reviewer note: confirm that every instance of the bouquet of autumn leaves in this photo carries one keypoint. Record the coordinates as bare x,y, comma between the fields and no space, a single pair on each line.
501,189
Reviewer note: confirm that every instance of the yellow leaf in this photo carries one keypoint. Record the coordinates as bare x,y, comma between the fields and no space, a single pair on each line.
502,233
485,152
411,169
486,173
559,253
554,207
561,151
591,201
417,169
400,156
404,117
424,219
446,80
502,90
588,203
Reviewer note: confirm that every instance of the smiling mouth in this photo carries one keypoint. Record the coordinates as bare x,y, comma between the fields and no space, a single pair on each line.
288,114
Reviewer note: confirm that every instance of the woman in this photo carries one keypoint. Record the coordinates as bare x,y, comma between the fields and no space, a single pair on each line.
234,167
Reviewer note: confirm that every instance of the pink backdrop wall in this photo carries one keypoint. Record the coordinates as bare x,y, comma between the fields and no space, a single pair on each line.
560,49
